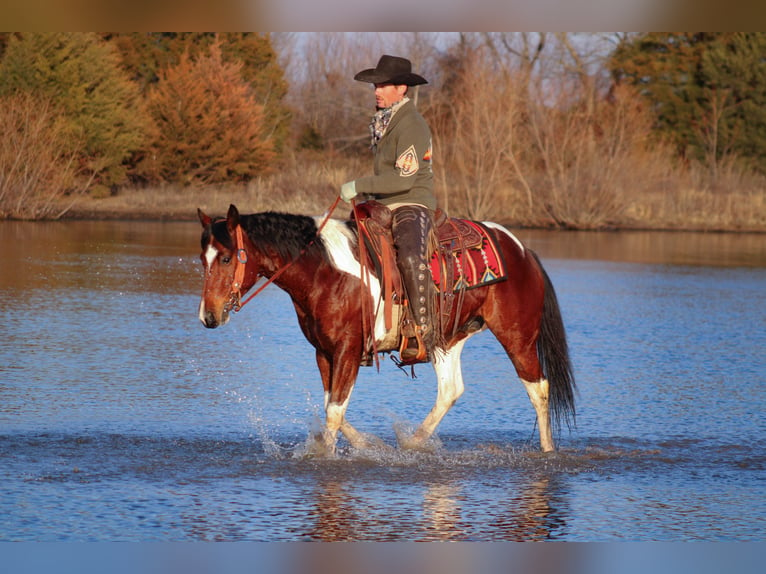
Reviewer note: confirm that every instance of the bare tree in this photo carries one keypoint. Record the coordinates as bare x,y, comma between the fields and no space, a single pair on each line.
35,170
520,51
478,132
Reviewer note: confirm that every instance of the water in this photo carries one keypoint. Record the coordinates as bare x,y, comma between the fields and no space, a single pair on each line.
123,419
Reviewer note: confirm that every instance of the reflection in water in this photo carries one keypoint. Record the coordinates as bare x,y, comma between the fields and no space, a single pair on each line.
529,515
341,510
664,247
442,512
339,514
335,513
103,255
198,524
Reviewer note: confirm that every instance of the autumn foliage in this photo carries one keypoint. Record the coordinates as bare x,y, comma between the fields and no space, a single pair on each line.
100,115
536,129
209,128
96,112
37,163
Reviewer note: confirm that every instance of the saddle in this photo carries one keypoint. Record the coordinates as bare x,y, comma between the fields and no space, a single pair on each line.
466,258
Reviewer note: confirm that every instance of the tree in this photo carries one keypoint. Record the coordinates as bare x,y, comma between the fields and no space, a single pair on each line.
735,97
146,54
708,90
666,69
100,109
479,134
210,128
35,171
331,109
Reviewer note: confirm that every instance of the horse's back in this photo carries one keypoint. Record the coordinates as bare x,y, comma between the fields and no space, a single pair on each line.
513,246
523,290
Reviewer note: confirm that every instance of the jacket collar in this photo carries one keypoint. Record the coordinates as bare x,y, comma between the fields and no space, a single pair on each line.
400,113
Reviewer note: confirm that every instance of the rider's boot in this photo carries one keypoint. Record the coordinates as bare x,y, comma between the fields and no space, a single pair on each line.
412,226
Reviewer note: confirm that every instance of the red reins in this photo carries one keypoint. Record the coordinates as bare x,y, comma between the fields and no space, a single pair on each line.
368,313
239,272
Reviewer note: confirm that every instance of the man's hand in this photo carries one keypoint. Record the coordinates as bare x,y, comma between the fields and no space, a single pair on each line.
348,191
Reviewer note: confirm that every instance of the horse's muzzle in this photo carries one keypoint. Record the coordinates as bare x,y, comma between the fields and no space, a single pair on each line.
210,318
210,321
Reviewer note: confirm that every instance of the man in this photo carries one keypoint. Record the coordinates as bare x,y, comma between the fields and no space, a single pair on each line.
403,181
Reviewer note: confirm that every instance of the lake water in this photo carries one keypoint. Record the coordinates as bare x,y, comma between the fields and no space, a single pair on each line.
123,419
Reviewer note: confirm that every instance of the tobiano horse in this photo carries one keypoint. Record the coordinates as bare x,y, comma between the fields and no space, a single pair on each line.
318,265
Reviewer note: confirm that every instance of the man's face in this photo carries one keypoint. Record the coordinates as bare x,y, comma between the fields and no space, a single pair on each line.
386,95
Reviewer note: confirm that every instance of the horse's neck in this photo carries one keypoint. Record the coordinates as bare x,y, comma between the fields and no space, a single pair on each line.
296,277
313,263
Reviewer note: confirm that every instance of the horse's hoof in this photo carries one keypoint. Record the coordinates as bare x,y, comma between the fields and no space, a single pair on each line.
373,443
427,447
316,447
540,453
417,443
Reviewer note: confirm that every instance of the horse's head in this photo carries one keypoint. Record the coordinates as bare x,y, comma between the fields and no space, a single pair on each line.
225,262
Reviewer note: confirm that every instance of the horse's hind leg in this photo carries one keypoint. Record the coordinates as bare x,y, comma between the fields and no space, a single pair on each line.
539,393
360,440
529,369
450,387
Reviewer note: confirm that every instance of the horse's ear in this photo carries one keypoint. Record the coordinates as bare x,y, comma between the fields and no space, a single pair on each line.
232,218
204,219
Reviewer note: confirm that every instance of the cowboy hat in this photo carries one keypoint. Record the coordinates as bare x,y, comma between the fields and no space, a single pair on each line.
391,70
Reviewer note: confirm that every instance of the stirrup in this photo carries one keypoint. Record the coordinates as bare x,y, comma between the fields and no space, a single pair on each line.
415,354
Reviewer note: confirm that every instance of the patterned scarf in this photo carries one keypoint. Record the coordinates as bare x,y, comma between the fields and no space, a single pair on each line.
380,122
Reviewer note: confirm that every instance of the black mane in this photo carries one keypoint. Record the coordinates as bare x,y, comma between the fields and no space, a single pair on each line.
288,233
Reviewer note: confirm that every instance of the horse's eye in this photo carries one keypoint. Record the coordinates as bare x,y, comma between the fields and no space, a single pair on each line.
226,260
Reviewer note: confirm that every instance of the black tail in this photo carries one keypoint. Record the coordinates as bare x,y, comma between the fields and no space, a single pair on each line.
553,353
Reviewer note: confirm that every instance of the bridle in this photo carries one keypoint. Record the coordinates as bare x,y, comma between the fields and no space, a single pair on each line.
235,295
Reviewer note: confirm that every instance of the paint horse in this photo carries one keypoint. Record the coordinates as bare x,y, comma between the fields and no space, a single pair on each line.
318,265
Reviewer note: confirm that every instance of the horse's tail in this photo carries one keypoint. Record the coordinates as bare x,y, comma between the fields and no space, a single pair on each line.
553,353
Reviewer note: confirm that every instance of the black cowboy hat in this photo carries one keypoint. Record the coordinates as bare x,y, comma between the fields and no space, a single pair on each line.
391,70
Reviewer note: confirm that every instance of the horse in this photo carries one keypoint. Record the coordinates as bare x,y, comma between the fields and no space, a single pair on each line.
316,261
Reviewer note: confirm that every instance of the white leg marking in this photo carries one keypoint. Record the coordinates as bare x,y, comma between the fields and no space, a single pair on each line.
538,393
449,377
335,413
499,227
449,373
338,240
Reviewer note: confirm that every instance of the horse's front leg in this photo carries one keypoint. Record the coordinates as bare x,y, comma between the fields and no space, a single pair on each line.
325,440
335,412
338,378
450,387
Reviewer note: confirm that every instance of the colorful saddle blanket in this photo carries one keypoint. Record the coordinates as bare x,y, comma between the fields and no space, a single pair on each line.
467,258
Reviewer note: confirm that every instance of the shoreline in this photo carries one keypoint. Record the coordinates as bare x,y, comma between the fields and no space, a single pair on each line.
102,209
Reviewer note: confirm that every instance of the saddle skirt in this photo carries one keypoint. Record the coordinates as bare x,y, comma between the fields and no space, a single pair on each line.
467,258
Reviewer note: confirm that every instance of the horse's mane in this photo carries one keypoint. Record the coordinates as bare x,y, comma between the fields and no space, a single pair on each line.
289,234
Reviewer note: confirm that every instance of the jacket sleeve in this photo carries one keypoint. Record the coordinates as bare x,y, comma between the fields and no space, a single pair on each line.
404,155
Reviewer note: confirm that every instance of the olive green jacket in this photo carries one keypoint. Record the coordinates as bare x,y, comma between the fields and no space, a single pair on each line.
402,166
